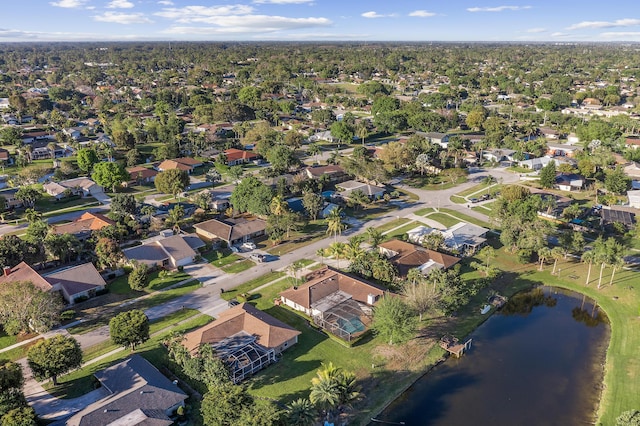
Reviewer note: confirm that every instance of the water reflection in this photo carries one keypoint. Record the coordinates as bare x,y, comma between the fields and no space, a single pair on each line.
536,363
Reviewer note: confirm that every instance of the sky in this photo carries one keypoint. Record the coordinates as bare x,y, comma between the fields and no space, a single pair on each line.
309,20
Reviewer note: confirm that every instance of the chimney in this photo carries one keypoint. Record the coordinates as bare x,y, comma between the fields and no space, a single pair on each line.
7,271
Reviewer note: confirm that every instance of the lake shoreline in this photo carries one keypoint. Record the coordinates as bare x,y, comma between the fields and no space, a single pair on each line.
598,363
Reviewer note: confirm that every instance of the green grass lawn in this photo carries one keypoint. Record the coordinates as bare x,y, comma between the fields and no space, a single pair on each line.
467,218
393,224
238,267
121,284
479,190
223,257
433,183
485,208
7,340
425,211
19,352
397,233
47,203
81,381
252,284
155,326
457,199
446,220
146,303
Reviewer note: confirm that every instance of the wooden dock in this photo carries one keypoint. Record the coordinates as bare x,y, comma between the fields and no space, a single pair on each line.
453,346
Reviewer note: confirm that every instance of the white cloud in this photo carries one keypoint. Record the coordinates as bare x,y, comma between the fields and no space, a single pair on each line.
248,24
536,30
122,18
202,13
373,15
312,36
627,22
282,1
68,4
166,2
120,4
621,35
497,8
422,14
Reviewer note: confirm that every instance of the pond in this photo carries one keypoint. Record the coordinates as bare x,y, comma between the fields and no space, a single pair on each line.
537,362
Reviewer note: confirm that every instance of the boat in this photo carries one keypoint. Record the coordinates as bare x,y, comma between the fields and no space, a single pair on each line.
485,309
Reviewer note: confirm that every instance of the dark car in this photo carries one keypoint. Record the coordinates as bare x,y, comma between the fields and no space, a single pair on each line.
473,200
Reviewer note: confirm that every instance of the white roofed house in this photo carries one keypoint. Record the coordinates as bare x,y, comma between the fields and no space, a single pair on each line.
569,182
374,192
464,238
634,198
82,186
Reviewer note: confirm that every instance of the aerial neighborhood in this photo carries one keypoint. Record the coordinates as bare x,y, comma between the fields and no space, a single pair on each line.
219,234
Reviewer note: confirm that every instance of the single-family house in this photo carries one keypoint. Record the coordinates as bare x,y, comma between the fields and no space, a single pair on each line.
536,164
562,150
632,170
139,175
550,133
232,231
335,173
632,142
77,282
438,138
72,283
82,186
321,136
4,103
634,198
236,156
166,250
464,238
83,226
569,181
346,188
340,303
406,256
30,137
5,157
245,338
10,197
186,164
136,393
499,155
610,215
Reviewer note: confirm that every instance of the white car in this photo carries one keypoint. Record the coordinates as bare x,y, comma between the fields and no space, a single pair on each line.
234,249
249,245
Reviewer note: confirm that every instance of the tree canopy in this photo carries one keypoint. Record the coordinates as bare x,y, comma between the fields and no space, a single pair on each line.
129,328
55,356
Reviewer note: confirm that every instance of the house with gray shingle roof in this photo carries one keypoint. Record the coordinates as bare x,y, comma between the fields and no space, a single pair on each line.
171,252
137,394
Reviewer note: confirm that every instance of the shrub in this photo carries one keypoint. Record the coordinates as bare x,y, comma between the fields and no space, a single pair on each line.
67,315
180,268
80,299
102,291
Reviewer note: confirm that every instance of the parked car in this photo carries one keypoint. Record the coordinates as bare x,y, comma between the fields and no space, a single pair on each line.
234,249
249,245
473,200
485,197
257,257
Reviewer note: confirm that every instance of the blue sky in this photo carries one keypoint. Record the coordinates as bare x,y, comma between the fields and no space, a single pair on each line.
264,20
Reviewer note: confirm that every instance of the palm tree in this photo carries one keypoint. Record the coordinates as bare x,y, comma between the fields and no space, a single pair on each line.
361,130
556,253
375,237
588,257
616,257
543,254
353,250
314,150
602,250
334,223
358,198
32,215
174,217
337,250
325,388
320,253
301,412
278,205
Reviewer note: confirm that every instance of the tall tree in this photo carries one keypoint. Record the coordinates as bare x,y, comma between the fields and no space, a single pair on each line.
86,158
393,320
253,196
335,226
312,204
172,181
129,328
109,175
548,175
55,356
138,277
25,307
374,236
